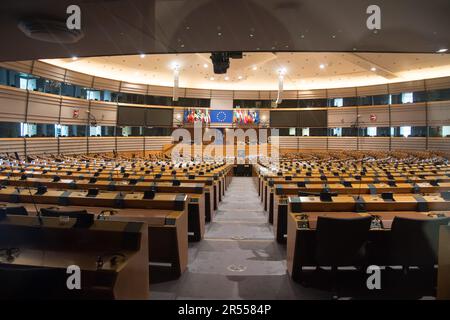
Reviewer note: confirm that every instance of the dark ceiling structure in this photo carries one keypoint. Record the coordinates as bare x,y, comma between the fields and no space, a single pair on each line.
119,27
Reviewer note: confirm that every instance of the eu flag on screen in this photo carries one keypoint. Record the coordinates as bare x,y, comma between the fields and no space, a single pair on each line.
221,116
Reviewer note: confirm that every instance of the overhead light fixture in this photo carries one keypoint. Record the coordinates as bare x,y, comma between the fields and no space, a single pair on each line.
142,55
175,66
443,50
74,58
212,78
205,65
255,68
239,77
282,71
373,69
227,78
322,66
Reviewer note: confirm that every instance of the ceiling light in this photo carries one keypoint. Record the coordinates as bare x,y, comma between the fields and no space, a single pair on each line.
255,68
239,77
227,78
373,69
205,65
142,56
322,66
442,50
212,78
282,71
175,66
74,58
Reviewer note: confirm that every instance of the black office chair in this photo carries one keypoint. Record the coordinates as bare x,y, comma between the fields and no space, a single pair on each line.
414,242
18,210
341,242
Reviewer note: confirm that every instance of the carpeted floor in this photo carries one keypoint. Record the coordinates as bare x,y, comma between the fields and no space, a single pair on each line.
239,259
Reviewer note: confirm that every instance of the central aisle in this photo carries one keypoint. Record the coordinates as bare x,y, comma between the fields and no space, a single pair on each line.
238,258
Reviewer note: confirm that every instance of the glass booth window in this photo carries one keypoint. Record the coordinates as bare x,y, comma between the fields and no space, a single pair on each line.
77,130
95,131
108,131
10,130
407,97
61,130
408,131
442,132
130,131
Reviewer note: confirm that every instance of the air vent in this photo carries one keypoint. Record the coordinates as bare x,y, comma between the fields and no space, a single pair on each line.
53,31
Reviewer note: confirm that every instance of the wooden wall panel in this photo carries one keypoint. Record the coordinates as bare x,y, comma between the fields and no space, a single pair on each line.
410,143
106,84
342,143
341,117
438,83
381,113
69,105
130,144
439,113
157,143
11,145
104,112
222,94
285,142
246,95
13,103
48,71
372,90
73,145
43,108
312,142
374,143
341,92
41,146
197,93
160,91
439,144
408,115
409,86
133,88
101,144
80,79
22,66
312,94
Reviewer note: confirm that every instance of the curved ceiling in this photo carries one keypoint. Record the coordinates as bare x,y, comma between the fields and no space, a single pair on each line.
259,71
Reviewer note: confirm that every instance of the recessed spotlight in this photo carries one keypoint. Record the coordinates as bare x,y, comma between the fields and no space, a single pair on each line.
227,78
212,78
240,77
373,69
442,50
205,65
322,66
142,55
255,68
74,58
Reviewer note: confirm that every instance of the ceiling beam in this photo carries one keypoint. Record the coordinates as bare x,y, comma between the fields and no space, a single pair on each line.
366,64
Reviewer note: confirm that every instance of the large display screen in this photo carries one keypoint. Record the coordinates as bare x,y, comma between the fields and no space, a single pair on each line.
140,117
131,116
283,119
312,119
156,117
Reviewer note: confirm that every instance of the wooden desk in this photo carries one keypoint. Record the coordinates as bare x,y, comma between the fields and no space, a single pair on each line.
45,250
443,290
